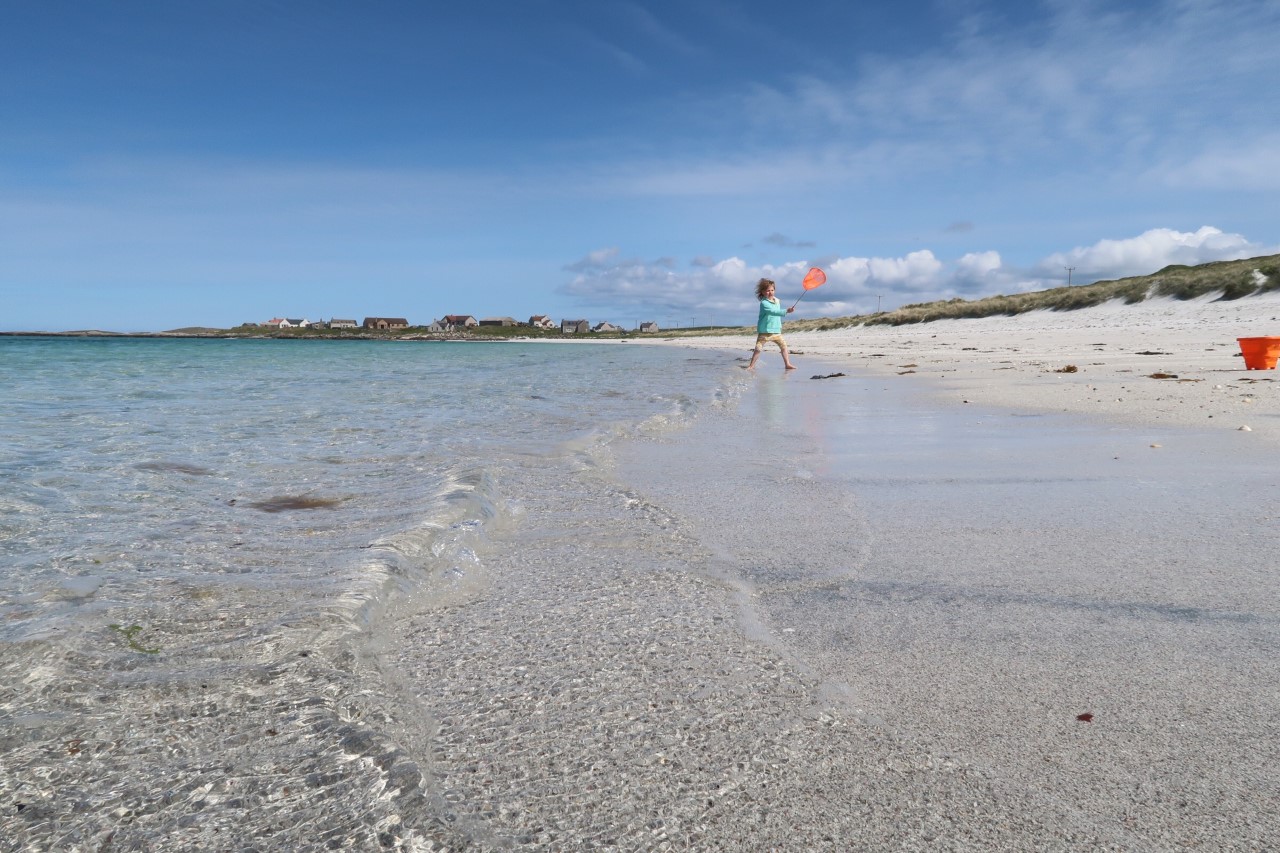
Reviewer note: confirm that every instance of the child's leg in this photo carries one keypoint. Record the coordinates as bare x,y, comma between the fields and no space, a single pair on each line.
755,354
786,356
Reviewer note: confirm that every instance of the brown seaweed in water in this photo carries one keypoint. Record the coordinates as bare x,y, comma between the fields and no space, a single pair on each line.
177,467
286,503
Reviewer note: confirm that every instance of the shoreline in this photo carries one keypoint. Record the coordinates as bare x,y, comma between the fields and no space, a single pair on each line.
1159,363
839,616
1044,617
1025,362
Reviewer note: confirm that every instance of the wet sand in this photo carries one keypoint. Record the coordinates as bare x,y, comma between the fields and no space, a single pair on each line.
1022,363
859,613
603,699
970,581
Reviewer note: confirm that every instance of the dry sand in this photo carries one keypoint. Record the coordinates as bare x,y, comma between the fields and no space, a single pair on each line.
1015,362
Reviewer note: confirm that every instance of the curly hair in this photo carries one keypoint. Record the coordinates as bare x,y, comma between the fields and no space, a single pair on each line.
763,285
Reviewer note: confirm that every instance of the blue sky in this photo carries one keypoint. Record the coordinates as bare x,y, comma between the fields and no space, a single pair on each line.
170,164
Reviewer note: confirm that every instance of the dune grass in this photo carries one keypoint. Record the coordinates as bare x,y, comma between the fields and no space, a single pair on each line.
1228,279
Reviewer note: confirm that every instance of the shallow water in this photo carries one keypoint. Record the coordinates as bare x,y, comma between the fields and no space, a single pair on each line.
972,580
199,539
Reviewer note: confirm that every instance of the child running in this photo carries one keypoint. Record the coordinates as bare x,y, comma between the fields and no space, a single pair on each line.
769,326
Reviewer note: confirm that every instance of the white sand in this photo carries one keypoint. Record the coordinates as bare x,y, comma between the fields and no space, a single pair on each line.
838,617
1012,361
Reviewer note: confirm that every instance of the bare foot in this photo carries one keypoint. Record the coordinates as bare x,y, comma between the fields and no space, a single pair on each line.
791,367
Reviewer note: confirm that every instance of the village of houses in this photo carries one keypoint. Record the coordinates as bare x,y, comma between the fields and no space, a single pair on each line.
454,323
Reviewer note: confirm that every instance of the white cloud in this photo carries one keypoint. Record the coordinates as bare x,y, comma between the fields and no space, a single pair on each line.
594,260
727,286
851,272
916,271
724,286
1151,251
857,285
977,266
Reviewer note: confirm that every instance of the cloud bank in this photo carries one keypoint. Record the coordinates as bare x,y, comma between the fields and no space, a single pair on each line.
722,291
1151,251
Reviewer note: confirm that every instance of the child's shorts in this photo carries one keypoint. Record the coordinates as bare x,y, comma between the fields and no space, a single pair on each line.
761,340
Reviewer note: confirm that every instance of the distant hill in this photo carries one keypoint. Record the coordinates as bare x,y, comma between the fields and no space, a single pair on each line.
1229,279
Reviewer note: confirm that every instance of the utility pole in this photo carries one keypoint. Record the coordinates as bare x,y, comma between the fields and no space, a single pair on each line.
878,298
1068,269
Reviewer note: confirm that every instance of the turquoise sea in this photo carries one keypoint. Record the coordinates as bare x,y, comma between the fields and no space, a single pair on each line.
197,532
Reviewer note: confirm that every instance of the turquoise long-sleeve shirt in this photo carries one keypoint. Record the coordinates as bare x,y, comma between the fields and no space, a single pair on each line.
771,314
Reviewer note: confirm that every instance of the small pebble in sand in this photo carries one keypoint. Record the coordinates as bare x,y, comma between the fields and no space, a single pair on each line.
1155,445
1245,428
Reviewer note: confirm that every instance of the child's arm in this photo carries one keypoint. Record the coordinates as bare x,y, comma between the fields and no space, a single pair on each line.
772,306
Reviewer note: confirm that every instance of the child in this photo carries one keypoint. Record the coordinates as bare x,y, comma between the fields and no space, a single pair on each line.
769,326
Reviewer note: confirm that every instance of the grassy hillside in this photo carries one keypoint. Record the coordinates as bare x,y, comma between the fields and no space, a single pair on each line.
1229,279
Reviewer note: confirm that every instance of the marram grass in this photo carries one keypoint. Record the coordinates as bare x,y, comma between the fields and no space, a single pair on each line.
1228,279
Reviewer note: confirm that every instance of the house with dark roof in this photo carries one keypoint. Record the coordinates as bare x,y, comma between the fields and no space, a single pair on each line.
385,323
574,327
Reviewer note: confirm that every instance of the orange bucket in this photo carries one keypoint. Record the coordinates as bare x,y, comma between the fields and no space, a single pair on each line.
1260,353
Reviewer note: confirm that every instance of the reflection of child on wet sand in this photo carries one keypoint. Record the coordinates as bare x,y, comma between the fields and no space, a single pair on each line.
769,326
